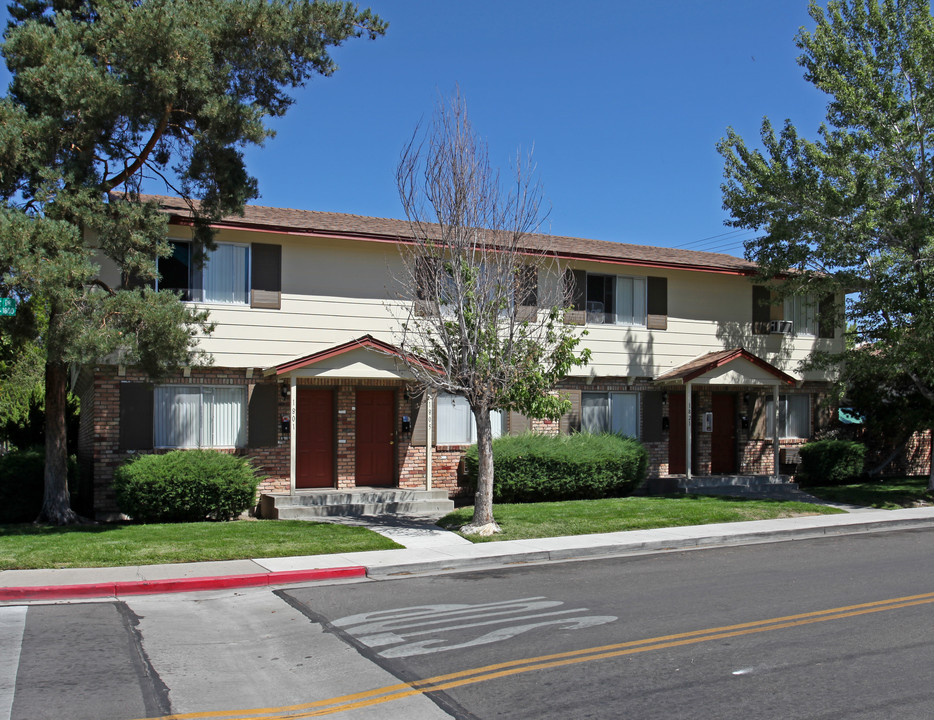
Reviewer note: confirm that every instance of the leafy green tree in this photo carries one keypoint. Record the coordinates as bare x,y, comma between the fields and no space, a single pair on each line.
486,302
107,95
853,211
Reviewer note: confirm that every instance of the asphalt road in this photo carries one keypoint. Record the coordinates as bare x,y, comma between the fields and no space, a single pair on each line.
832,628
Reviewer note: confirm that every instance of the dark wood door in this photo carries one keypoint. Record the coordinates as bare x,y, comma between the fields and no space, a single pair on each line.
375,437
723,438
676,438
314,438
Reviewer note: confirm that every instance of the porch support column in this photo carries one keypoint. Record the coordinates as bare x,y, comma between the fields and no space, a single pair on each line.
429,426
293,427
775,430
687,430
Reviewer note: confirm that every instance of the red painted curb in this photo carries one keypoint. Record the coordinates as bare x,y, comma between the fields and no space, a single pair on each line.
174,585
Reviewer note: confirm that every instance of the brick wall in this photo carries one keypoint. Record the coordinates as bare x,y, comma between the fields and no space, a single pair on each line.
99,438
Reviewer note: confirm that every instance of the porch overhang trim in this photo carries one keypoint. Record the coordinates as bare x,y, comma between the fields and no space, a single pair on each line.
367,342
706,364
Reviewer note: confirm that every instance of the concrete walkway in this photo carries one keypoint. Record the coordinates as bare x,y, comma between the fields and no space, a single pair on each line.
430,550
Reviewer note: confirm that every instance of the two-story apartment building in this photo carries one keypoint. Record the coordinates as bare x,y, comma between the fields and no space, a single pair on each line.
687,354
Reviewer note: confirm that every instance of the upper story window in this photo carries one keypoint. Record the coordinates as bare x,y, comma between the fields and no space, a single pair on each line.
615,299
802,311
456,423
232,274
615,412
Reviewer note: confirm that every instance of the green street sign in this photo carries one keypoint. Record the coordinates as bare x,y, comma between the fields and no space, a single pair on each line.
7,306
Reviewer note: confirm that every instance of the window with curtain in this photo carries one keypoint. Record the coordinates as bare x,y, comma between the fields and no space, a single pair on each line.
455,421
615,299
802,311
193,416
226,274
610,412
793,416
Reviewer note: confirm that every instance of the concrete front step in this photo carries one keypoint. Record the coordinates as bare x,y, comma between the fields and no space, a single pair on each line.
772,487
734,481
362,501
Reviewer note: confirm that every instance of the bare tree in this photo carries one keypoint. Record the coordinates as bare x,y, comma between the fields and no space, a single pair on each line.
485,298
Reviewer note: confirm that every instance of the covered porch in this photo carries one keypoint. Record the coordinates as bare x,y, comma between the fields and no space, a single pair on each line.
715,413
351,424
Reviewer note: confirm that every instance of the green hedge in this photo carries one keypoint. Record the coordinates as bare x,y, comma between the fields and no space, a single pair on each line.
185,486
538,468
22,484
830,462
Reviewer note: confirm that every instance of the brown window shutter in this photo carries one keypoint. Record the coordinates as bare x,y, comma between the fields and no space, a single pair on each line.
136,409
526,293
575,284
826,316
262,420
571,420
758,427
518,423
656,303
761,309
266,276
426,303
652,417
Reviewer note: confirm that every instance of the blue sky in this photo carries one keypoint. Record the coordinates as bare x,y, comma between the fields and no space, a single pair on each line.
623,102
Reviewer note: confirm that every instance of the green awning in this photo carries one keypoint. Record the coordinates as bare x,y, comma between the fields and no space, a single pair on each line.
848,416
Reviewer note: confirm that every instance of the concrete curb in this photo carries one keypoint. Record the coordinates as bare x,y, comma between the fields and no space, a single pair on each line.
628,543
175,585
443,557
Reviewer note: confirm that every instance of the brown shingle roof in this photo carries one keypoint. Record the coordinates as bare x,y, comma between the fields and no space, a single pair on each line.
712,360
359,226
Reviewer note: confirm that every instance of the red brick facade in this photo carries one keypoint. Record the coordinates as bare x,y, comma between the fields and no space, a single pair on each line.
100,451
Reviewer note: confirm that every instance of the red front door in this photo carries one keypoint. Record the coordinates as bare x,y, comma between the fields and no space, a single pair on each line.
375,437
314,438
723,438
676,438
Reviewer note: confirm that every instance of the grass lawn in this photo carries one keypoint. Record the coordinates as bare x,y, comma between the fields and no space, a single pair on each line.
889,493
582,517
29,546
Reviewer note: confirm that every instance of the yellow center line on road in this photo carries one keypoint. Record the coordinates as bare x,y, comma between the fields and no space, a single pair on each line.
486,673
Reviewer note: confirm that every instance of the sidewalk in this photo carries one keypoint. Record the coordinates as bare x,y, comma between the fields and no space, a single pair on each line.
430,550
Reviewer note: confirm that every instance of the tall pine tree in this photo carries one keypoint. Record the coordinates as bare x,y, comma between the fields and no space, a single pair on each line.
109,93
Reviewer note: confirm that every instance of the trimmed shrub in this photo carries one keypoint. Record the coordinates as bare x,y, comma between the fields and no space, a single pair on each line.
830,462
538,468
185,486
22,484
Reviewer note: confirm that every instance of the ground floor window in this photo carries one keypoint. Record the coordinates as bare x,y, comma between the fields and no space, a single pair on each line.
456,424
192,416
615,412
793,416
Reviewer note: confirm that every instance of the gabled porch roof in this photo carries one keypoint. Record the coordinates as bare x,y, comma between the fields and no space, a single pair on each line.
365,356
736,366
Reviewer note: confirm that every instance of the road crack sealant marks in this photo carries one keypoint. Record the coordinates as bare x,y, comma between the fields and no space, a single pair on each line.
426,629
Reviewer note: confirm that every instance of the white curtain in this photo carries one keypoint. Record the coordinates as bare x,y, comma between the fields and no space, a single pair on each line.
630,301
189,416
177,416
793,416
455,421
222,422
225,274
595,417
624,408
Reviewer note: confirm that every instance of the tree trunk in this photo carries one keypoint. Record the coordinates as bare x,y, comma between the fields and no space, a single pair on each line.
483,502
56,503
931,472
